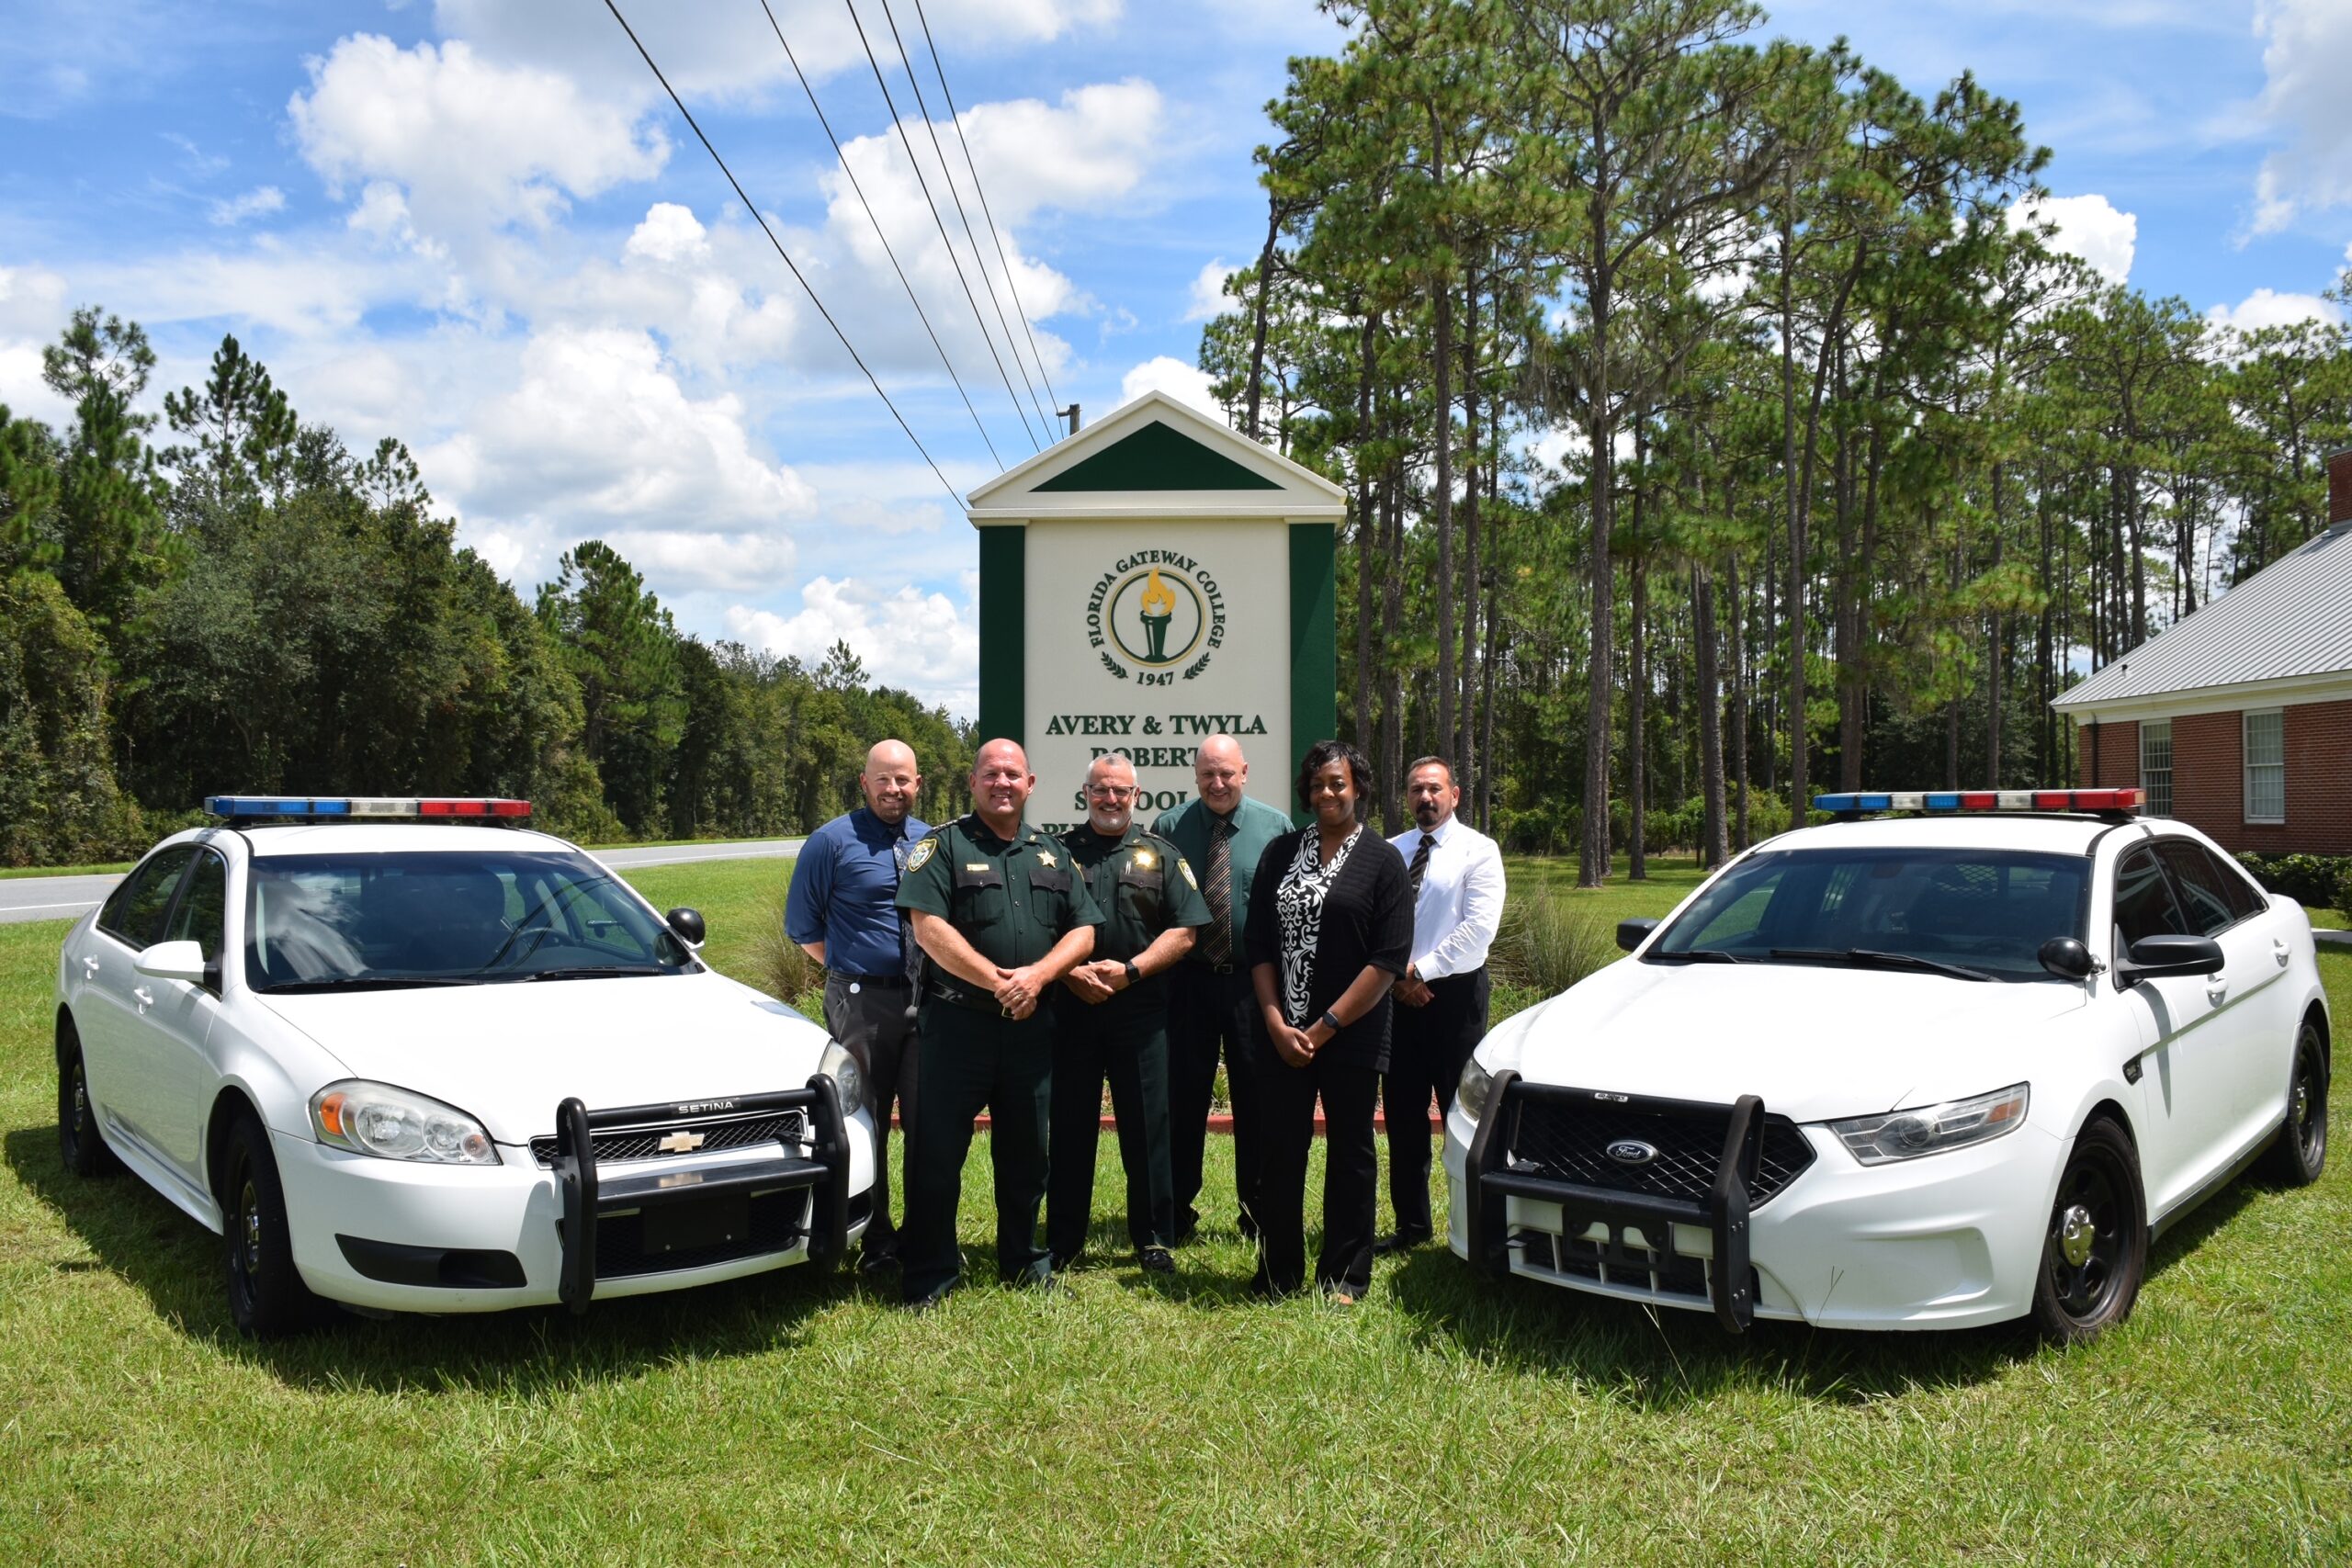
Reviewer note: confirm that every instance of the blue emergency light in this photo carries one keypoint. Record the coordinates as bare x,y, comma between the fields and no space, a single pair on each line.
1982,800
373,807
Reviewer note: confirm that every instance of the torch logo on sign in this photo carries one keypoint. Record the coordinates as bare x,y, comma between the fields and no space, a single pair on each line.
1153,610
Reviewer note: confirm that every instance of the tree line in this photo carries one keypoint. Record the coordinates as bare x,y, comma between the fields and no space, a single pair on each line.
238,602
1857,470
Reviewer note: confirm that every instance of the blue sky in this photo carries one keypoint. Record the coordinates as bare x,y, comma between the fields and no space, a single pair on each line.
477,226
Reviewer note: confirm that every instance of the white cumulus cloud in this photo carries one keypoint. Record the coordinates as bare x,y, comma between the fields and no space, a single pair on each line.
2270,308
2089,227
1185,383
472,143
922,641
1208,291
2307,101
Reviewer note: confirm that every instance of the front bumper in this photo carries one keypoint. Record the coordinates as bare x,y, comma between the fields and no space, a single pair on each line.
401,1237
1947,1241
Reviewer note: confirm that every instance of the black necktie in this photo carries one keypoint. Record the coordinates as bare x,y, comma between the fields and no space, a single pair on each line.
1216,942
1421,864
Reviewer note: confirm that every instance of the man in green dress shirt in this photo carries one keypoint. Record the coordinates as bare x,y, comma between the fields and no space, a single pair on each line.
1002,915
1111,1022
1221,835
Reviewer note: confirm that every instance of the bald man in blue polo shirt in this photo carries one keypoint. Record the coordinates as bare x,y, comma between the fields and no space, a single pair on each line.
843,911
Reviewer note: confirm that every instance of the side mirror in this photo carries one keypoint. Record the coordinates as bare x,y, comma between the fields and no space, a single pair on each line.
2067,958
2155,957
687,925
172,961
1630,935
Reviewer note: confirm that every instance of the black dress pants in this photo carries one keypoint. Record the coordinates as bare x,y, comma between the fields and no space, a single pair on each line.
1129,1046
973,1062
1427,1047
1351,1174
874,1024
1211,1013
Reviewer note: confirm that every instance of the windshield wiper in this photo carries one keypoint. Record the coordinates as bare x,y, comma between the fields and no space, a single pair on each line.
593,971
1695,955
361,983
1872,958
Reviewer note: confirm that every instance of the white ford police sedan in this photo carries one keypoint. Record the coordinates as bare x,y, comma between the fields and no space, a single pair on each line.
410,1055
1926,1070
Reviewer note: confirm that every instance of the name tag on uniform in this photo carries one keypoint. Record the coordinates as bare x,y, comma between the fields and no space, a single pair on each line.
976,865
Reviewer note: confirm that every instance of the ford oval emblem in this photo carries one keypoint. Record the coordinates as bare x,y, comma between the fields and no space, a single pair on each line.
1631,1151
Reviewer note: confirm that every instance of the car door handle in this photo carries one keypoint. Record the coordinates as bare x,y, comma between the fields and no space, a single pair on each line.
2280,952
146,998
89,967
2216,989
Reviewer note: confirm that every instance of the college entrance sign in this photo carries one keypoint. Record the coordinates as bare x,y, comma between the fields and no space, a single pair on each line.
1151,582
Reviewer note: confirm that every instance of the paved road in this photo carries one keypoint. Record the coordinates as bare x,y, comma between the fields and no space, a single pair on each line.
65,897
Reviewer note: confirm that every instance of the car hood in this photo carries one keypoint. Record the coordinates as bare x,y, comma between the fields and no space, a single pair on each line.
510,1053
1814,1041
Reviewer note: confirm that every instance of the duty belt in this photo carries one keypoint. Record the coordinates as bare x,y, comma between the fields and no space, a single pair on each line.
981,1002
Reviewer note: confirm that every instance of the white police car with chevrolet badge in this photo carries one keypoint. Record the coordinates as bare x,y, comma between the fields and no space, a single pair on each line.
1928,1070
406,1061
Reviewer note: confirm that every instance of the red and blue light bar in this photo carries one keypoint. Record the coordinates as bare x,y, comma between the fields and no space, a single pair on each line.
372,808
1937,800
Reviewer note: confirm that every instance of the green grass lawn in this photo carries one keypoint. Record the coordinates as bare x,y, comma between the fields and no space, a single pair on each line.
797,1418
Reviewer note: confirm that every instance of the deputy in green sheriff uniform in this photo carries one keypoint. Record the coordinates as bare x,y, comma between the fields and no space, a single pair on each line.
1113,1022
1002,915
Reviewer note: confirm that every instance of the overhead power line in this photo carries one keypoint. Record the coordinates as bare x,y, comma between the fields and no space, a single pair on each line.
948,172
760,218
954,260
875,219
957,119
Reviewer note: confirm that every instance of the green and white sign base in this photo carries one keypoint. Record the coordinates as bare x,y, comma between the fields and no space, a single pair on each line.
1152,580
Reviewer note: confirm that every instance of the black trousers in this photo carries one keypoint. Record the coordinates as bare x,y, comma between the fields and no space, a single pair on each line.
1210,1013
875,1024
1427,1047
1350,1175
1129,1046
972,1062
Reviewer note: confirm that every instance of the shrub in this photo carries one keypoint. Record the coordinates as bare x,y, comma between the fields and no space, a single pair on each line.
2316,881
1551,938
783,971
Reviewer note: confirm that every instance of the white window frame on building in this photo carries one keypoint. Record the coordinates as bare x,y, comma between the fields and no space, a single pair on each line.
2155,765
2270,770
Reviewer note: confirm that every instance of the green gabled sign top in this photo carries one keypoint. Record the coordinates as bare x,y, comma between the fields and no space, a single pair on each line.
1157,457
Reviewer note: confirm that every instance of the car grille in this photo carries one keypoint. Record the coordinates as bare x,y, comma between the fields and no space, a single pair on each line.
1578,1257
778,1221
1564,1140
618,1145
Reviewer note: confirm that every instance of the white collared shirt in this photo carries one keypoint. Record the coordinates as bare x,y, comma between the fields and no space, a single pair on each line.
1461,903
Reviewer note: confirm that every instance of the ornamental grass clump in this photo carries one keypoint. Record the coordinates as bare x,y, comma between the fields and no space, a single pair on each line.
1551,938
782,970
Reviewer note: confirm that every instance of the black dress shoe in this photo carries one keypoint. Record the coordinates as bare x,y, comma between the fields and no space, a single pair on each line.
1403,1241
1064,1261
1156,1260
871,1261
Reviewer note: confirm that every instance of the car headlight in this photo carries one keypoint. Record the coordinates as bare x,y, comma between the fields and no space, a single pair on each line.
1933,1129
394,1124
1476,1088
843,1068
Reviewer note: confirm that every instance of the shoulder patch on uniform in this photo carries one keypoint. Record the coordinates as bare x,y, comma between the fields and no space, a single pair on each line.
1189,880
922,855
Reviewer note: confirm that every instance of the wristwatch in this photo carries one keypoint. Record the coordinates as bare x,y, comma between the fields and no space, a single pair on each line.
1135,975
1331,1020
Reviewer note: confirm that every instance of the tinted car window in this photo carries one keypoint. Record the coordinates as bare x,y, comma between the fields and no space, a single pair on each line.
2204,887
134,914
1984,909
202,912
2245,898
2144,905
444,918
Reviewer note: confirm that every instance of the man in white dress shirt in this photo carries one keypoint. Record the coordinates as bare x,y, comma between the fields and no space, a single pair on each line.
1457,882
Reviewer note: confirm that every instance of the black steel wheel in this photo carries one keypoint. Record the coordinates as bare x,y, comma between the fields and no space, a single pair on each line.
266,1296
2094,1252
79,1143
2300,1152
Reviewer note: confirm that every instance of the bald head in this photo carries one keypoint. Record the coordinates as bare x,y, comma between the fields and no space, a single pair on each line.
1001,785
890,783
1219,772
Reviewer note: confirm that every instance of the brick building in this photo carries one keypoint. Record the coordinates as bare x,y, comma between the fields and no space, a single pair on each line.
2238,718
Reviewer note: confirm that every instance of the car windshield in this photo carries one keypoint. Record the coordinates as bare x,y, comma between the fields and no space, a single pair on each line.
351,921
1980,914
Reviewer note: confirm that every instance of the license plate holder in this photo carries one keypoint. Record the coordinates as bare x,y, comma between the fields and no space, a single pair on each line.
691,1225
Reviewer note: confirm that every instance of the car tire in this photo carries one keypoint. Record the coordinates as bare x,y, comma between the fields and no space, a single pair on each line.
266,1296
2299,1153
2095,1248
79,1143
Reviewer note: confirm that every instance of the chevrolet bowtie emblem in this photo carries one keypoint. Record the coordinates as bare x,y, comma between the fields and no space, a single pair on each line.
680,1143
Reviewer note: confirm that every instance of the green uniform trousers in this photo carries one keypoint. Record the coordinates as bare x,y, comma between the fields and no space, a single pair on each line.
969,1061
1129,1047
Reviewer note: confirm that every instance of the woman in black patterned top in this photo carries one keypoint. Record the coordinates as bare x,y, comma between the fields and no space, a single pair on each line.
1330,928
